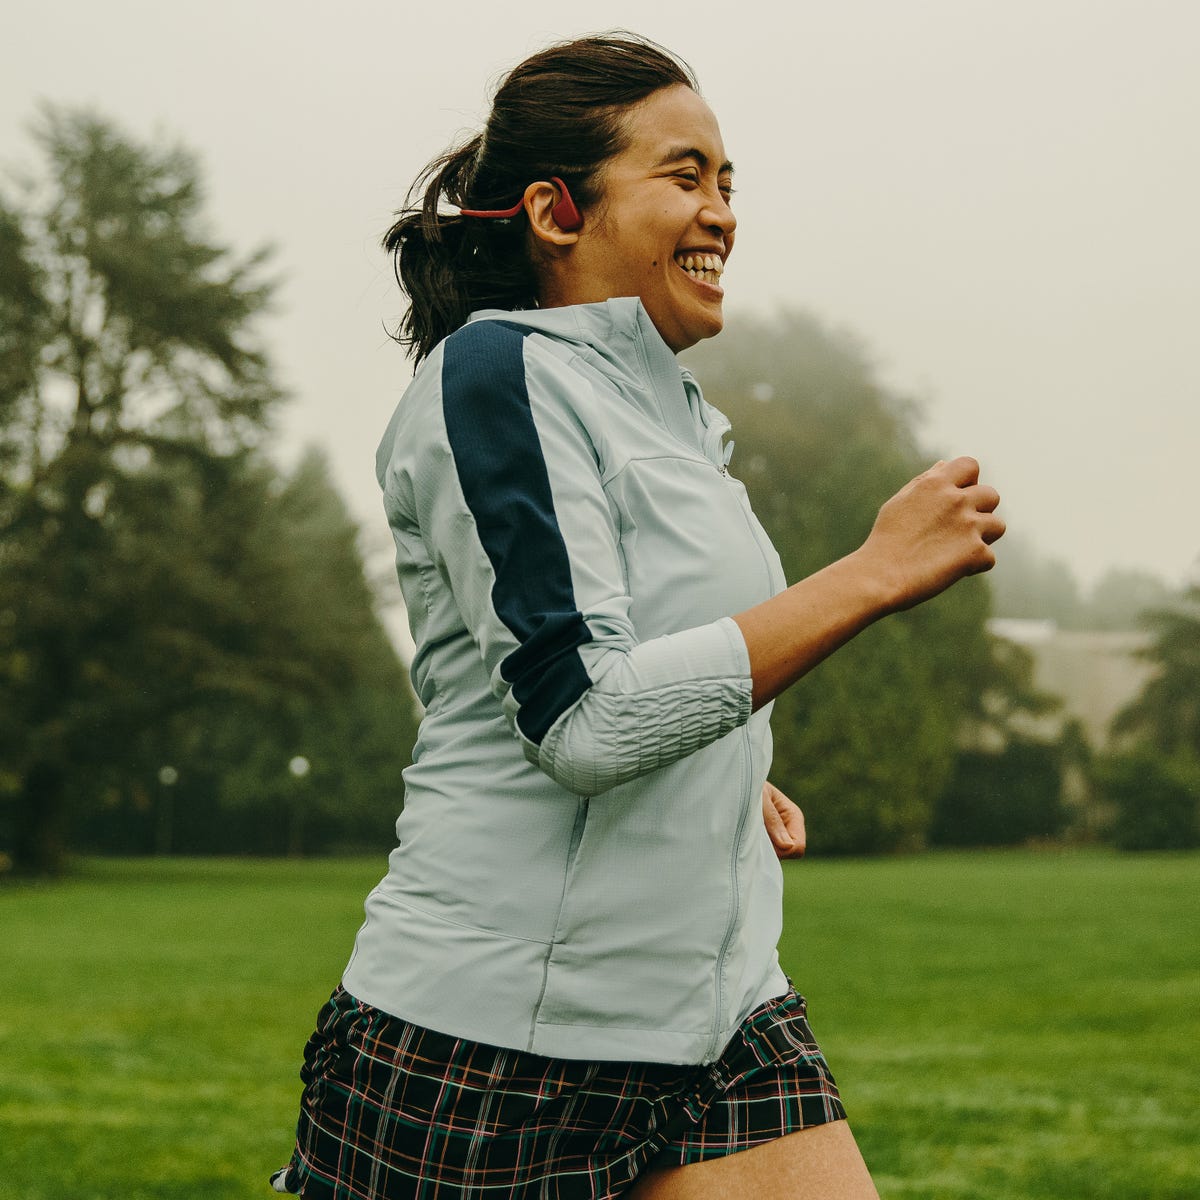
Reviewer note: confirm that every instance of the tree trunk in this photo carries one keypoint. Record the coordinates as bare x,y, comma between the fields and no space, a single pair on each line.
295,824
39,825
164,824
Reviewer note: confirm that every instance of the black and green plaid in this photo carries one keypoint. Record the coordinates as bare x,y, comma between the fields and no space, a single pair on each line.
392,1111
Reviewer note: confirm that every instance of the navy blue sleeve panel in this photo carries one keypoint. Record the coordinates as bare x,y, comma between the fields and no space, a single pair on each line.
502,472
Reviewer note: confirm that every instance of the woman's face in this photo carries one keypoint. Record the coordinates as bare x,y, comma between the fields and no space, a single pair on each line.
665,201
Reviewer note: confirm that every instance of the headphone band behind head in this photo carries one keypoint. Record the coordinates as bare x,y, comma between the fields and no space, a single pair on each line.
565,213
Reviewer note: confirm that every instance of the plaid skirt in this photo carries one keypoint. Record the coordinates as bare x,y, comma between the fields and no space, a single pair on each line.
392,1111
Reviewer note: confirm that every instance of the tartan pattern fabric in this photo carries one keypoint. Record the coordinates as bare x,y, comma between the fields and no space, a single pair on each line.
392,1111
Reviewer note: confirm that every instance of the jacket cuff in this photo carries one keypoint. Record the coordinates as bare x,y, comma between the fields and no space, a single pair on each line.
649,707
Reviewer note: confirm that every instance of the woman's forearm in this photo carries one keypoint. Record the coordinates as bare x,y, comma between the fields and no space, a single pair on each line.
791,633
937,529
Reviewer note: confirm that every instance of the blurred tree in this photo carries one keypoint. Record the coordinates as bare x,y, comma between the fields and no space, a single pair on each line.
1166,716
151,573
334,694
866,742
1122,597
1003,798
357,730
1155,798
1025,584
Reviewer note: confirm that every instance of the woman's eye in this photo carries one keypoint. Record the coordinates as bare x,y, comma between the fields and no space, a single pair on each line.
688,176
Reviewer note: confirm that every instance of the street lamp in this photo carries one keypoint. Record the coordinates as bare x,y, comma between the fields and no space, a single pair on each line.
298,768
168,777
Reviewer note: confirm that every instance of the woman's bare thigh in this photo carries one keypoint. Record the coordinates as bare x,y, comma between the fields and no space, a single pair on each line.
821,1163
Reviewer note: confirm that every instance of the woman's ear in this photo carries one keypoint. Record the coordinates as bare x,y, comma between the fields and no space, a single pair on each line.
545,209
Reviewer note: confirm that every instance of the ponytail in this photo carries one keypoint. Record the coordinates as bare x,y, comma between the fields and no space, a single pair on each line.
450,265
558,113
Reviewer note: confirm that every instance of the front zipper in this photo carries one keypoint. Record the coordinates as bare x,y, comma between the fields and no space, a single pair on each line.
735,901
581,816
755,536
747,759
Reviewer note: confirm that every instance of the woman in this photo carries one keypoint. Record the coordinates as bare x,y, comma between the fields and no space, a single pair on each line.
567,985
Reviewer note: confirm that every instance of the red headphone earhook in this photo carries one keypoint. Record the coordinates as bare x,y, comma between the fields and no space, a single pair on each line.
565,213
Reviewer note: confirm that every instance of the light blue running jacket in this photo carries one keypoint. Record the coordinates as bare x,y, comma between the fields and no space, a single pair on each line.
582,868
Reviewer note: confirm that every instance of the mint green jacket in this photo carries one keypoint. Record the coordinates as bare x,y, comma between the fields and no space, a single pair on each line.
582,868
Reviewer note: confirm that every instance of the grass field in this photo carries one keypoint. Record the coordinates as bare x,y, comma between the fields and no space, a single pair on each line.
1007,1025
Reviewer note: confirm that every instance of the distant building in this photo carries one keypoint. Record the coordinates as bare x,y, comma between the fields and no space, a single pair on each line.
1096,674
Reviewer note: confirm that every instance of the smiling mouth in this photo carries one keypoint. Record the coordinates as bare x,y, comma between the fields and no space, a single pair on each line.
705,268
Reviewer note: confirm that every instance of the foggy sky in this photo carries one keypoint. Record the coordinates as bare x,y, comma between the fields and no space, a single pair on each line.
998,197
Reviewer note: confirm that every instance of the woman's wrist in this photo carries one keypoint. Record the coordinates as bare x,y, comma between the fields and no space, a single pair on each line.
873,581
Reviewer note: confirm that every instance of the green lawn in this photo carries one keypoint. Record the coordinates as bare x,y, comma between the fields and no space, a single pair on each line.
1003,1025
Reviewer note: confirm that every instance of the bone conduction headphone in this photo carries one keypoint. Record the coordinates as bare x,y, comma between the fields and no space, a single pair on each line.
565,214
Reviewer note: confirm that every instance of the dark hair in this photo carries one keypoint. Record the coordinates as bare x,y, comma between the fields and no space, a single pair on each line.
557,113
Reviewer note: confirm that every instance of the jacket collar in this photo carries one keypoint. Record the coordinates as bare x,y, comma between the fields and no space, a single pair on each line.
619,339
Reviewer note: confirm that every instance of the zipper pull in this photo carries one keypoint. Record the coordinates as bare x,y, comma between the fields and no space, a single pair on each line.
726,456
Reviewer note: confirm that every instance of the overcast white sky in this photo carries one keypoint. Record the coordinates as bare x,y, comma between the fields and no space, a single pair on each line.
999,196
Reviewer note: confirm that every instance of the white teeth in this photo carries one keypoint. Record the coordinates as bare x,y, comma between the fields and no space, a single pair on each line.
700,265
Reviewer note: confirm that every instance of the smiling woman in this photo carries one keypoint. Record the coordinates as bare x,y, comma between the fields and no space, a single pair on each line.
567,981
663,230
558,119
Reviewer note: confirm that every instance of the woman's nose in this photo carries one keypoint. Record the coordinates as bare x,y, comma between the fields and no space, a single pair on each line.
718,217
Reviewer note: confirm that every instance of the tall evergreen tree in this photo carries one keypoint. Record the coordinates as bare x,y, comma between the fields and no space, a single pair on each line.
354,733
152,576
131,366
